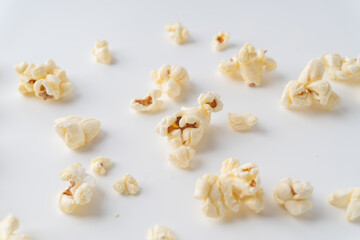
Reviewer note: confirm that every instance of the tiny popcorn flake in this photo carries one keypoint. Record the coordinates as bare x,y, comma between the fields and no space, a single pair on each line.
177,33
160,232
101,52
99,165
348,198
7,228
126,185
241,121
220,41
149,103
339,68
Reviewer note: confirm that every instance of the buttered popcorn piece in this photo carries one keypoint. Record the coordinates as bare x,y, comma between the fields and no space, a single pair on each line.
100,164
126,185
7,228
149,103
101,52
220,41
341,68
182,156
241,121
76,131
177,32
46,81
160,232
347,198
293,196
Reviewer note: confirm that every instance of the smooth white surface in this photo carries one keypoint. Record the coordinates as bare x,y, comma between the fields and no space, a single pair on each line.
321,147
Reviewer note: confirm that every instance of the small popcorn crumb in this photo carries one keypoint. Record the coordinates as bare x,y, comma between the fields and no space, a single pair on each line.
101,52
242,121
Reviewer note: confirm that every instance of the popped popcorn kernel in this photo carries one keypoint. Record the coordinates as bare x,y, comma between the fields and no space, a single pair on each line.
347,198
241,121
100,164
126,185
177,33
101,52
149,103
182,156
160,232
341,68
7,228
220,41
210,102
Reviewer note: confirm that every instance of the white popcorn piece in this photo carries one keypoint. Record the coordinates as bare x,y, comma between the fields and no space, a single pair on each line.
220,41
149,103
7,228
249,63
126,185
241,121
160,232
76,131
177,33
100,164
347,198
101,52
185,128
341,68
293,196
46,81
223,193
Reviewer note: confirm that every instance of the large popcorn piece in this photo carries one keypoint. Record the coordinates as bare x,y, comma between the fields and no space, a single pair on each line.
293,196
310,88
101,52
126,185
237,183
149,103
241,121
76,131
341,68
80,190
160,232
249,63
177,32
185,128
220,41
7,228
347,198
46,81
100,164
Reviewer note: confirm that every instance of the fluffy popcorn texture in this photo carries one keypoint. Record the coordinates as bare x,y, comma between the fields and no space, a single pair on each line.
76,131
310,88
220,41
100,164
101,52
7,228
80,190
347,198
126,185
177,32
293,196
160,232
237,183
185,128
241,121
46,81
341,68
249,63
149,103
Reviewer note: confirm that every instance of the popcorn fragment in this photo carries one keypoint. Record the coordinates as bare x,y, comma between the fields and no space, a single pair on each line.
341,68
249,63
7,228
294,196
101,52
46,81
160,232
150,103
126,185
220,41
237,183
241,121
347,198
100,164
177,32
76,131
184,129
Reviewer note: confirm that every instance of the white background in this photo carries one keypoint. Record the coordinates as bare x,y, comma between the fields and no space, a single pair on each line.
321,147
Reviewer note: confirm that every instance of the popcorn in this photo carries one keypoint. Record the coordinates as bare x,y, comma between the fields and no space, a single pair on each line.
249,64
184,129
220,41
76,131
126,185
150,103
241,121
294,196
310,88
80,190
101,52
341,68
177,32
100,164
46,81
225,192
160,232
7,228
347,198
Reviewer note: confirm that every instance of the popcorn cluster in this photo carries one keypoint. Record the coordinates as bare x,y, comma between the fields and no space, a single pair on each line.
249,63
185,128
126,185
241,121
220,41
101,52
347,198
160,232
7,228
237,183
46,81
341,68
80,190
100,164
76,131
293,196
177,33
310,88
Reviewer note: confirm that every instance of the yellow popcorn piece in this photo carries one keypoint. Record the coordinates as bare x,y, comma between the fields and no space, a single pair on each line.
177,33
341,68
149,103
241,121
220,41
100,164
101,52
126,185
7,228
347,198
160,232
